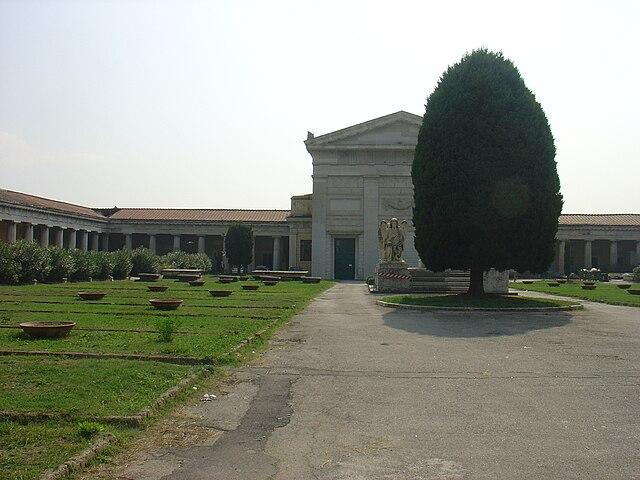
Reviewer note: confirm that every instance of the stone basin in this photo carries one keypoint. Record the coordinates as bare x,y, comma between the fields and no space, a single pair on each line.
158,288
92,295
165,303
149,277
226,280
47,329
588,286
196,283
311,279
624,286
553,284
270,283
527,282
220,293
188,277
250,287
634,291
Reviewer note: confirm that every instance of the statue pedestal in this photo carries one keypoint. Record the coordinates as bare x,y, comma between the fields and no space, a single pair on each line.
392,277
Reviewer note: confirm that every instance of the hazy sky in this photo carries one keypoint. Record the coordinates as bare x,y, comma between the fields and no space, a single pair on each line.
206,104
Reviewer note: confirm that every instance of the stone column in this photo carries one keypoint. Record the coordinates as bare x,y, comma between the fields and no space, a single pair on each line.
84,240
637,252
152,243
44,236
253,263
12,233
28,232
72,239
225,261
58,237
200,244
94,241
276,253
105,242
369,252
128,240
293,250
613,254
561,256
176,243
587,254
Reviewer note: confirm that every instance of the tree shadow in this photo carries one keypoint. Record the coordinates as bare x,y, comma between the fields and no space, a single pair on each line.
474,324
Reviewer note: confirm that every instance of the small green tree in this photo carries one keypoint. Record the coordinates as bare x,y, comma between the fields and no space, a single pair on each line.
486,188
238,244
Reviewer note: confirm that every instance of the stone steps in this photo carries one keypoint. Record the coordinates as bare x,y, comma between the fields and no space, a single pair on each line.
425,281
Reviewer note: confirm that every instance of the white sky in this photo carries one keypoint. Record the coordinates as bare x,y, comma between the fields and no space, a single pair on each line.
206,104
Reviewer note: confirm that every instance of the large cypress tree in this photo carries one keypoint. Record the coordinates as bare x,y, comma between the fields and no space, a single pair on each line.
238,245
486,188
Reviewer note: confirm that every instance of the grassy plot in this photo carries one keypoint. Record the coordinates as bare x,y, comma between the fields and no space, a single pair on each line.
604,292
204,327
487,301
83,386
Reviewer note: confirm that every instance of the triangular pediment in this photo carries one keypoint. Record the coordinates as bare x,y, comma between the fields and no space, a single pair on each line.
397,129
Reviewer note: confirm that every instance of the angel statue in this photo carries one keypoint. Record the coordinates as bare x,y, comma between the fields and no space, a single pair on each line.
391,238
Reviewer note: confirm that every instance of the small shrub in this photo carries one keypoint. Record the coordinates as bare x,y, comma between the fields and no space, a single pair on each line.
167,326
84,265
186,260
201,261
122,263
88,429
104,264
9,266
62,264
144,261
636,274
371,280
34,261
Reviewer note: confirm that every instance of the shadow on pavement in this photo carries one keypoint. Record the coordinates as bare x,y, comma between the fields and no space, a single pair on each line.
474,324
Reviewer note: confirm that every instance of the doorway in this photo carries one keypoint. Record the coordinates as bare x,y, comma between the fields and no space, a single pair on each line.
344,258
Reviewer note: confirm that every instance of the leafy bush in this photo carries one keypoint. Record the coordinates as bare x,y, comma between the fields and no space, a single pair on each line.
104,264
167,326
186,260
88,429
636,274
122,263
62,264
144,261
84,265
34,261
9,266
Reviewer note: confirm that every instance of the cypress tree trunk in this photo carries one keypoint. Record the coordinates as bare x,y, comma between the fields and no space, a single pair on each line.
476,283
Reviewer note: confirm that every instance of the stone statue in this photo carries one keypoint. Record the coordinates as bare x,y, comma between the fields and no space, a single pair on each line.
391,237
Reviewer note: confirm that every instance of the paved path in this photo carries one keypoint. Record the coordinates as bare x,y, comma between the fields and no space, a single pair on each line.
351,390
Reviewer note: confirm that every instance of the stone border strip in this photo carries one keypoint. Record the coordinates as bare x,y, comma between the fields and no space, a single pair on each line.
123,356
575,306
80,460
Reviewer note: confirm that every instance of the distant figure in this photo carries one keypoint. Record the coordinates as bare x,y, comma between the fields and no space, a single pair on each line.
391,237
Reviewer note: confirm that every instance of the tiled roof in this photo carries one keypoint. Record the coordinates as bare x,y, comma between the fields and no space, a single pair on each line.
200,215
22,199
605,219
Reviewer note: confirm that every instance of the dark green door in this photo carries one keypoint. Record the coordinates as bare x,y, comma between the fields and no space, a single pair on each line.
344,255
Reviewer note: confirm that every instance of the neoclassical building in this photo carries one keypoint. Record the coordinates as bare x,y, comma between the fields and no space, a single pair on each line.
361,175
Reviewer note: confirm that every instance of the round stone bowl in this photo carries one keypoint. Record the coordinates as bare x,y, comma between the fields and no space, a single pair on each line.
588,286
250,287
92,295
634,291
47,329
243,278
553,284
624,286
187,277
226,280
561,281
165,303
220,293
270,283
311,279
196,283
149,277
527,282
158,288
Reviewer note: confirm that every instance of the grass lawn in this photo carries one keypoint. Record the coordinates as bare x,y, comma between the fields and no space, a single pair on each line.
487,301
604,292
123,322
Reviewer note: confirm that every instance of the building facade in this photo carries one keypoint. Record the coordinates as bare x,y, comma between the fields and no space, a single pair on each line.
361,175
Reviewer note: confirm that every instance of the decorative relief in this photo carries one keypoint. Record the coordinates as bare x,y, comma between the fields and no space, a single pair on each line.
399,204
